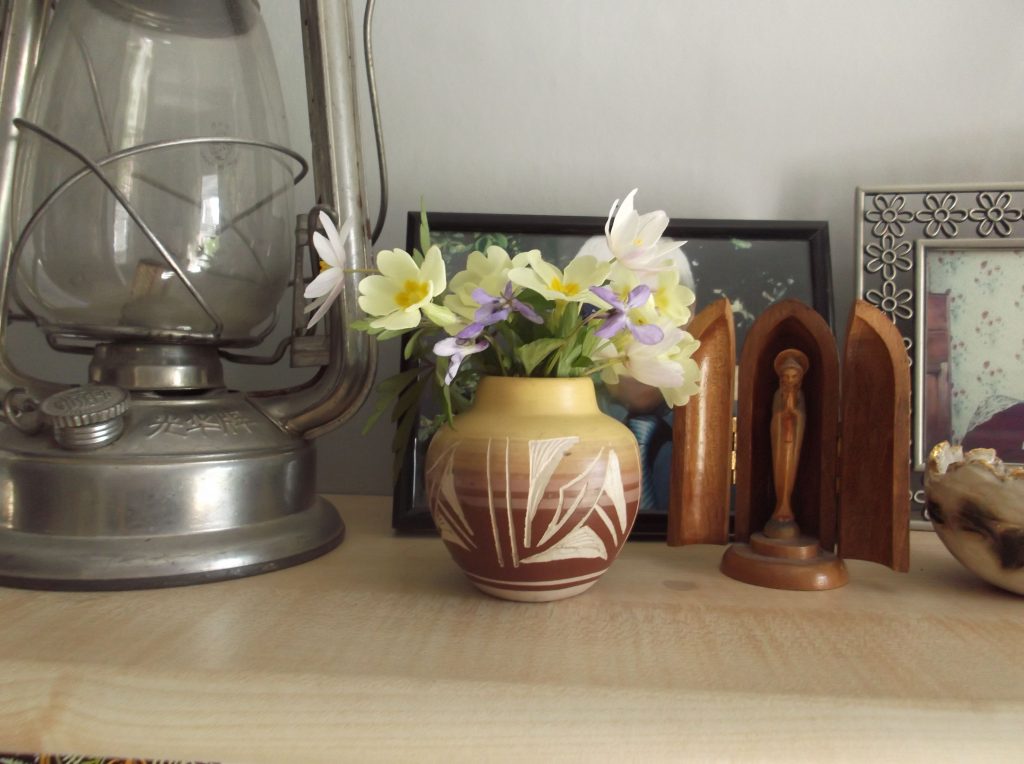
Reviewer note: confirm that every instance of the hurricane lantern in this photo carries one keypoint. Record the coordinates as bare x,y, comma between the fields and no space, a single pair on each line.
149,187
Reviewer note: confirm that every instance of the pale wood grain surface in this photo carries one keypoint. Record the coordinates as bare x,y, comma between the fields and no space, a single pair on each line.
381,651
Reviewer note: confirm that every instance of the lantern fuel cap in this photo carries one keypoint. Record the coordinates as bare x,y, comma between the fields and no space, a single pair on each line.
86,417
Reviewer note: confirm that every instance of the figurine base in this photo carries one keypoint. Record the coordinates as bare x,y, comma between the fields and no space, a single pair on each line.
797,564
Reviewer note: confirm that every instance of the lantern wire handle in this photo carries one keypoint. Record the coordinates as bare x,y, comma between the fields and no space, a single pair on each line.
378,133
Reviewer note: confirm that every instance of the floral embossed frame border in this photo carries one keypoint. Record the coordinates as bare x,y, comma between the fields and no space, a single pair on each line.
893,223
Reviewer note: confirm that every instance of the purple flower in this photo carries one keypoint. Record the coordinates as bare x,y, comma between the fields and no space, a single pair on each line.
494,309
457,348
618,317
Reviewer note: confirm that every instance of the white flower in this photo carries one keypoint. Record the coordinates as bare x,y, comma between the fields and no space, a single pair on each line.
635,240
328,284
667,365
549,282
403,289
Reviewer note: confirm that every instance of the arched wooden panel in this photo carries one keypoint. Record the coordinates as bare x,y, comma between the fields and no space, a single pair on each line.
874,467
788,324
702,436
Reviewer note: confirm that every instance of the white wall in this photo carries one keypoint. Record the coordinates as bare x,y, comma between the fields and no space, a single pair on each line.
728,109
716,109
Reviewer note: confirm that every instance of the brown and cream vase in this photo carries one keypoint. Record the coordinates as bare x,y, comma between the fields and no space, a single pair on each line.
534,490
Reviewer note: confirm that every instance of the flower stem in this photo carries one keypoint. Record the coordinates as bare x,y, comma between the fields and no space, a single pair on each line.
512,339
502,358
600,367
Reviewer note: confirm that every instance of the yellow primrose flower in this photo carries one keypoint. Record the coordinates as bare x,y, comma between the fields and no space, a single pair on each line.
403,289
572,285
487,271
672,299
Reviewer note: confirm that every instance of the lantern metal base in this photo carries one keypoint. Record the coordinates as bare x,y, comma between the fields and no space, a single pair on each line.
197,489
67,563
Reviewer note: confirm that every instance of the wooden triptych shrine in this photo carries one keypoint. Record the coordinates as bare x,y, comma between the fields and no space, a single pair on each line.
849,497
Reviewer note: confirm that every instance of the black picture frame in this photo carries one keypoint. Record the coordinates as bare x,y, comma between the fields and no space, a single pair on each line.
753,262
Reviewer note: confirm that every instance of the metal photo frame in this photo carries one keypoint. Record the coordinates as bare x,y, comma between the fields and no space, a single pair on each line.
896,227
753,262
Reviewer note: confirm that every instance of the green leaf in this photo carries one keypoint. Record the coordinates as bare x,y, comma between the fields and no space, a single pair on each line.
402,436
449,411
390,334
570,318
533,353
440,370
424,228
568,357
382,404
387,394
397,382
409,399
410,344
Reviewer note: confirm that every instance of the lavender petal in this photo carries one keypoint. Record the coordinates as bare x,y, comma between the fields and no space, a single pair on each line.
483,297
647,334
526,312
608,296
470,332
491,313
612,325
640,295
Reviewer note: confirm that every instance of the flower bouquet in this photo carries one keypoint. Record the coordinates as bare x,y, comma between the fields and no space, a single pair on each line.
522,316
533,489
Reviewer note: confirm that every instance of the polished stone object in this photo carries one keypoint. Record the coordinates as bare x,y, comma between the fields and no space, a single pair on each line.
976,504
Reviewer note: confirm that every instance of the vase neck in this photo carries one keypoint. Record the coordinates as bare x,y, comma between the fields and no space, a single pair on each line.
573,395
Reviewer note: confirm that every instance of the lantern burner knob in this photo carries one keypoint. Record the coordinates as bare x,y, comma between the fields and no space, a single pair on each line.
86,417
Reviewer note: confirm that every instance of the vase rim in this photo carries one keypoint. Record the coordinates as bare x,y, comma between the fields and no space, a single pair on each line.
560,394
510,378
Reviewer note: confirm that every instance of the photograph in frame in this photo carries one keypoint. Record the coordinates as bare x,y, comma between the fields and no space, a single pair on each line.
971,382
752,263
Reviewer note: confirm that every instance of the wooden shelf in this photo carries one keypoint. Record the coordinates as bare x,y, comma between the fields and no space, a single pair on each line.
381,650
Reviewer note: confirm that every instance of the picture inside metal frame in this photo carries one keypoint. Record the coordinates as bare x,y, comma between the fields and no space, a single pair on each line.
971,381
752,263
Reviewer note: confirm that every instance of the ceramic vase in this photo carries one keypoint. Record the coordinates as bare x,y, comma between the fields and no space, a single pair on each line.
534,490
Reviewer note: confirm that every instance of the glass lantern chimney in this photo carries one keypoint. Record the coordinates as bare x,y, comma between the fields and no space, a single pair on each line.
198,247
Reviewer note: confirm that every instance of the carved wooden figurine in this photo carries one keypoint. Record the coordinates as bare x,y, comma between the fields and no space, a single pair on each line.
780,557
791,481
789,415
